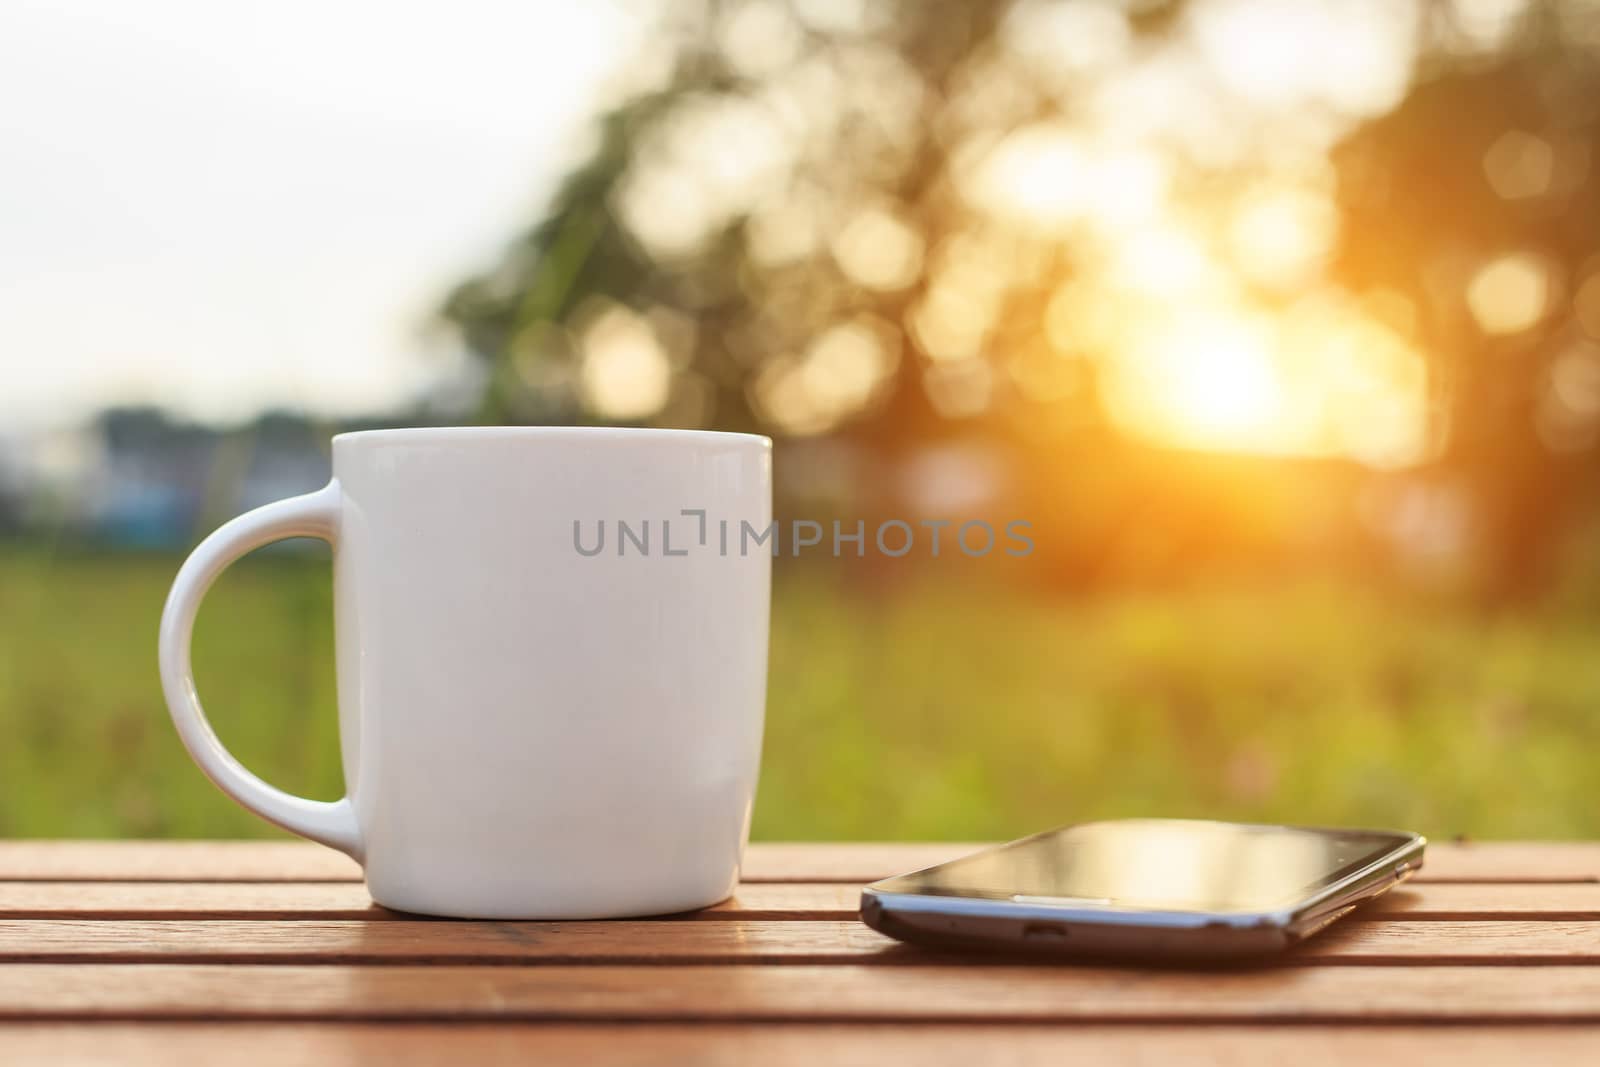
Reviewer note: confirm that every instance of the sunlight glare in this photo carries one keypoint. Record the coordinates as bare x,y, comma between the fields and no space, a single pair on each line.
1125,186
1280,237
1035,176
626,373
879,250
759,37
1206,379
1163,261
1082,318
1321,377
844,366
1485,24
716,158
1509,294
1366,384
1065,37
1354,58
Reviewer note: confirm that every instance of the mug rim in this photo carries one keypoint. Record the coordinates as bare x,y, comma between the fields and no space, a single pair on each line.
468,433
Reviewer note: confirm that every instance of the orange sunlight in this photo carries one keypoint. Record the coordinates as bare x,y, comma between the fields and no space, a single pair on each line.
1318,378
1216,386
1208,305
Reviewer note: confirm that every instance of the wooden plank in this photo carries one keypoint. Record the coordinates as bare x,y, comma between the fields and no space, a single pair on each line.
1555,901
296,861
856,862
341,941
779,1045
987,993
291,861
119,900
344,900
1576,901
1398,943
1486,943
1512,861
174,861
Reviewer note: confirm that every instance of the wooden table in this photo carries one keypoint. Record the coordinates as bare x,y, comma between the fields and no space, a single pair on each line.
232,952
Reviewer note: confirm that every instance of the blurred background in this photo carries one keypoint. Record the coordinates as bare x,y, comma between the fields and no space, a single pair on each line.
1280,322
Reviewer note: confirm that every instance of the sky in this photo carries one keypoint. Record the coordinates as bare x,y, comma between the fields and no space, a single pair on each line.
223,207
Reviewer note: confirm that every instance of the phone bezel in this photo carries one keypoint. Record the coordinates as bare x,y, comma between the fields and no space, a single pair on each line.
969,918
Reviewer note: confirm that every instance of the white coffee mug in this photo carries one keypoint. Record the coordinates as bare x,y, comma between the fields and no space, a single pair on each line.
531,728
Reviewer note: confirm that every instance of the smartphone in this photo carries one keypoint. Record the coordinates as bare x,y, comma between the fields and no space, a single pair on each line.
1146,888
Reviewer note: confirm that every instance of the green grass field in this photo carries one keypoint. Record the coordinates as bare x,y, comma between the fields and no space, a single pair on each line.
932,710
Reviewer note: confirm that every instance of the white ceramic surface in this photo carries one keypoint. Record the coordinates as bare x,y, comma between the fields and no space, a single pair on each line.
528,732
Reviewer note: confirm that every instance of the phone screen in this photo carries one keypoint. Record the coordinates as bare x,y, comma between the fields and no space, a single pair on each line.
1170,865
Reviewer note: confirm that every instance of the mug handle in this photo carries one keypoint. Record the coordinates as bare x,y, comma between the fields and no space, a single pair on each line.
312,515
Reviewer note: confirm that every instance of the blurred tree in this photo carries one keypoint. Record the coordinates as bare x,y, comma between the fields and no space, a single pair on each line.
730,270
1057,223
1474,207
